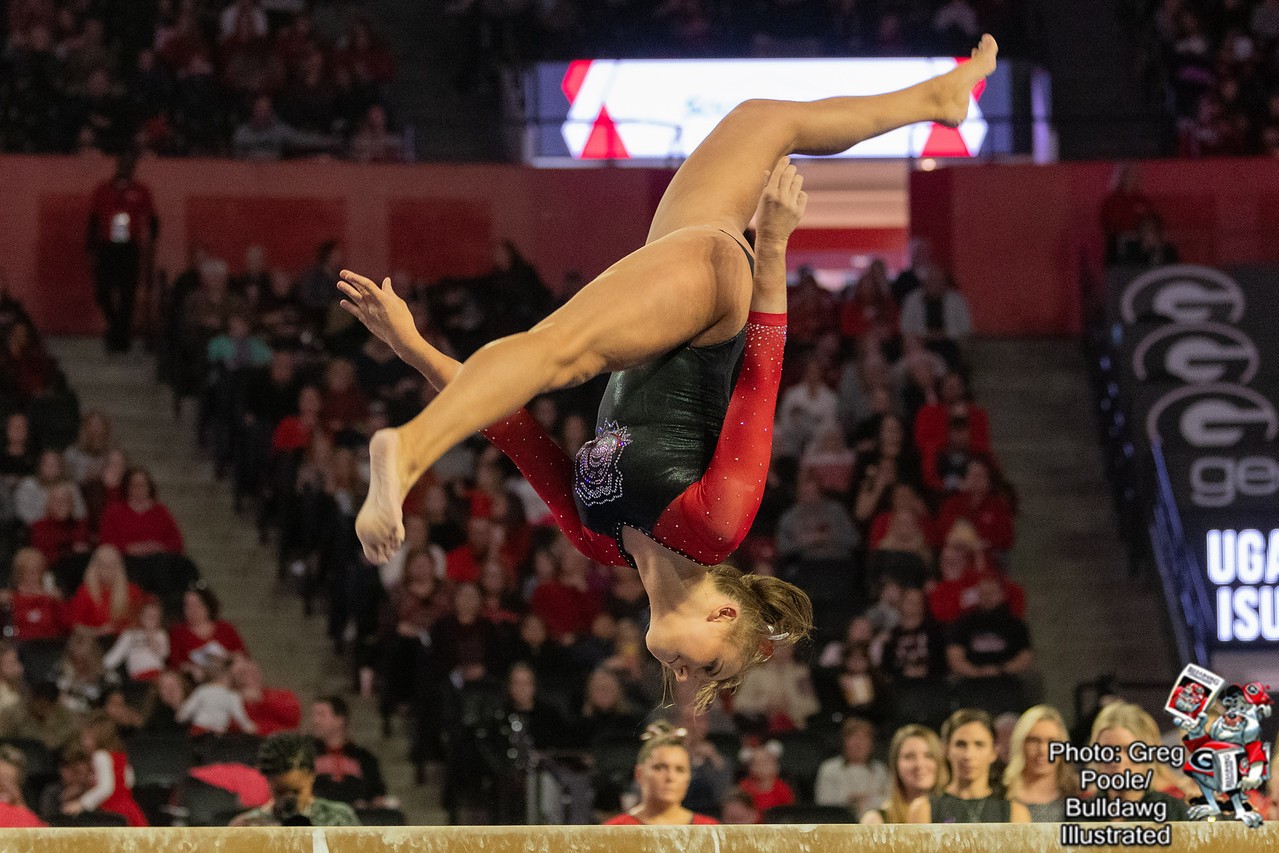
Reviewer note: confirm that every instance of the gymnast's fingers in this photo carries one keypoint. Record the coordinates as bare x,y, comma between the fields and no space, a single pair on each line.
365,285
350,291
789,174
796,186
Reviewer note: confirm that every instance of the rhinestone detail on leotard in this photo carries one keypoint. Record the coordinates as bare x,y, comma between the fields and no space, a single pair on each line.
599,475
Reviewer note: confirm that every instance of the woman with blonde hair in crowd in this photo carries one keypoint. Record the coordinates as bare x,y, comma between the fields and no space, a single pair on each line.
918,769
1030,778
662,772
106,603
1120,725
35,605
969,738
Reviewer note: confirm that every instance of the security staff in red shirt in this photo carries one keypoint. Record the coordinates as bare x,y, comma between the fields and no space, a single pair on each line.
122,231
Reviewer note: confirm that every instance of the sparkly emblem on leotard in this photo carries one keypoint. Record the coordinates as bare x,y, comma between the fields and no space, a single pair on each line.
599,477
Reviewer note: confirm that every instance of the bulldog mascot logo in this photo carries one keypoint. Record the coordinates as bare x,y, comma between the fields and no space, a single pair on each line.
1226,758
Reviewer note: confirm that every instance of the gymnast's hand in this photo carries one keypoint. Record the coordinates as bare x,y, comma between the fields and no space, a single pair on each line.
781,206
380,309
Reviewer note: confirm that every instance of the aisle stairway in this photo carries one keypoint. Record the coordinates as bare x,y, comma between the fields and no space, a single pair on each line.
292,649
1087,616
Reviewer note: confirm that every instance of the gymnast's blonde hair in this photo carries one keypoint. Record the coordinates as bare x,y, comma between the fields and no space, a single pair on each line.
771,611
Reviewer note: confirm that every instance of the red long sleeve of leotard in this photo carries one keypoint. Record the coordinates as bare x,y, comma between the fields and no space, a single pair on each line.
550,472
712,517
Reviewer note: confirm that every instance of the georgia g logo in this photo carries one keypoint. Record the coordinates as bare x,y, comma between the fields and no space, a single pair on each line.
1183,293
1195,353
1212,415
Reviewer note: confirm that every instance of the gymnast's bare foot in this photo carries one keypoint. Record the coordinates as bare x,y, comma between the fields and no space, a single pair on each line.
380,524
955,87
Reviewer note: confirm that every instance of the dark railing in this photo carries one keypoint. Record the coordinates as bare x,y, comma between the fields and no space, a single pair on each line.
1185,588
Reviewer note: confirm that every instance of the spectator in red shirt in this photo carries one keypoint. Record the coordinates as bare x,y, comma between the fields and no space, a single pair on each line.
963,564
140,525
201,636
1123,210
58,535
106,603
566,604
763,781
868,312
345,405
13,772
294,432
663,771
122,228
903,500
35,607
811,311
106,489
463,563
953,398
516,536
983,500
272,709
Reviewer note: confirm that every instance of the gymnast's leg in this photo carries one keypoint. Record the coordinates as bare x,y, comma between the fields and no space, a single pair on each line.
719,183
690,283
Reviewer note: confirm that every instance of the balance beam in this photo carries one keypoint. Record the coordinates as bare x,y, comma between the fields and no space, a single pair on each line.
1227,837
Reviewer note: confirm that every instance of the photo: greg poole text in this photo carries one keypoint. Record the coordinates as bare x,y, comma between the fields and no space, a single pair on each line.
1118,785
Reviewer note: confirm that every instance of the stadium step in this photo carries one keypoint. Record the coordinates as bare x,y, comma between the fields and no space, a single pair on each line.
292,648
1087,616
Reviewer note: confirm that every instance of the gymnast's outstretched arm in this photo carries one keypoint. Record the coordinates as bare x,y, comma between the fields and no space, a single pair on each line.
542,462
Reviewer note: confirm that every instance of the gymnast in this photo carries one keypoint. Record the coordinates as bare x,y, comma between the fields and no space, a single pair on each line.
675,474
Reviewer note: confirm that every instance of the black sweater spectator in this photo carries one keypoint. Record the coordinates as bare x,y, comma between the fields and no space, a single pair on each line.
343,771
989,641
545,726
915,648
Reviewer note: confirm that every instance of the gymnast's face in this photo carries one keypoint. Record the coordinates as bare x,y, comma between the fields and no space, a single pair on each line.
695,643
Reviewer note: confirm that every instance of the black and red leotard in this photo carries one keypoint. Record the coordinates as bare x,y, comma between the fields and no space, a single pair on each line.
680,453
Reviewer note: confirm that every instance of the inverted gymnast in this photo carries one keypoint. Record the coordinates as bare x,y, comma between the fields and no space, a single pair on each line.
668,321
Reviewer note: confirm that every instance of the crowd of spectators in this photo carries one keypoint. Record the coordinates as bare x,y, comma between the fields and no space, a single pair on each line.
885,502
258,79
121,688
1222,63
515,32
